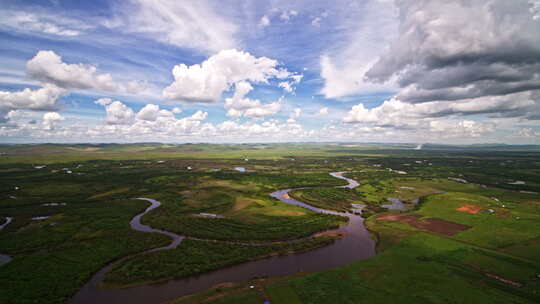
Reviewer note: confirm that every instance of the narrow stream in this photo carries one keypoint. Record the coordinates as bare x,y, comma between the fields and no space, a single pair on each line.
4,258
137,225
355,245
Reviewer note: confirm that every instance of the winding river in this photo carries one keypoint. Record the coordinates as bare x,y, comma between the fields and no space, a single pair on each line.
4,258
355,245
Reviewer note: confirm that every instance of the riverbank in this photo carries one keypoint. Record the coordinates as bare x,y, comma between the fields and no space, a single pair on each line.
207,255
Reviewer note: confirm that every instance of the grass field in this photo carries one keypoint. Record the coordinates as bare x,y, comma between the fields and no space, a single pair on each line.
421,268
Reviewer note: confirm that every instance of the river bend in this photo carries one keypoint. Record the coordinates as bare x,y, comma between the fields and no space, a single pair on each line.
355,245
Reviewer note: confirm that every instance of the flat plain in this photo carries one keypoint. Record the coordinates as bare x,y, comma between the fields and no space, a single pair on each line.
466,228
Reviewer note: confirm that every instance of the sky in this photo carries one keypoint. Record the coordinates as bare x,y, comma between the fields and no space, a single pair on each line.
414,71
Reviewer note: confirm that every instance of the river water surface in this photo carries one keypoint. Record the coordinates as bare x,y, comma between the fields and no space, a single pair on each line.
355,245
4,258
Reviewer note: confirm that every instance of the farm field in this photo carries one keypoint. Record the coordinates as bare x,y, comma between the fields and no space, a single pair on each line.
462,223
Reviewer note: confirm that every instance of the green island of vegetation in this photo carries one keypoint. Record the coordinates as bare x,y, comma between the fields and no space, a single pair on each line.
193,257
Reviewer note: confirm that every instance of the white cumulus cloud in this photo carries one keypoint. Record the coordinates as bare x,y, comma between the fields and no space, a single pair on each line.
44,98
117,112
48,67
151,112
207,81
50,119
238,105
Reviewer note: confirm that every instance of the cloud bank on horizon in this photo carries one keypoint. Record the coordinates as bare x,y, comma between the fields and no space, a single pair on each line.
251,71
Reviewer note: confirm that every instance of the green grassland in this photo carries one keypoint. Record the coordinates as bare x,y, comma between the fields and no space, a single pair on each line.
51,153
419,266
53,257
512,224
226,293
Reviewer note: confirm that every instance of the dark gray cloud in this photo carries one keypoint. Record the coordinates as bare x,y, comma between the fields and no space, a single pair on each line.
464,49
524,104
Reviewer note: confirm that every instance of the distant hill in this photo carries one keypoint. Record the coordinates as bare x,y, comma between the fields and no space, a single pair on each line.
349,147
482,147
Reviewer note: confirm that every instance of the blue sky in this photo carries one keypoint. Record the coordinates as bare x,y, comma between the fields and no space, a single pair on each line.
270,71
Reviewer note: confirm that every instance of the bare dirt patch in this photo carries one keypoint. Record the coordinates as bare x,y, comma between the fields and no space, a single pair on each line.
472,209
431,224
88,149
288,213
496,277
114,191
229,184
334,234
503,214
241,203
